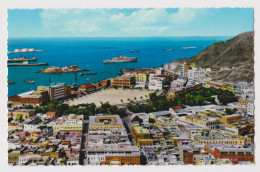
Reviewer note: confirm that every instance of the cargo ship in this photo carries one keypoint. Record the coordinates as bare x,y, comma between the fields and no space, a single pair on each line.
22,59
122,58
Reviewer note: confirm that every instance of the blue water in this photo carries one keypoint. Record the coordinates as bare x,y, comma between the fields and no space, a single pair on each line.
92,51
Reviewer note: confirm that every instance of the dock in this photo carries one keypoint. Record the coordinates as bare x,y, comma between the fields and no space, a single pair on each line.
22,64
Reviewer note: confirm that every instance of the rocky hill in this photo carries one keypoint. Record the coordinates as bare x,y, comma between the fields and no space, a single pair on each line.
237,52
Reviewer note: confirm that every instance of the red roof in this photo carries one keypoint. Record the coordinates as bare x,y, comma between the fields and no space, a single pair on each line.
87,86
176,107
163,75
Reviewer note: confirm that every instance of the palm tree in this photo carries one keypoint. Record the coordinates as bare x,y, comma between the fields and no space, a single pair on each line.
122,100
135,98
141,97
128,99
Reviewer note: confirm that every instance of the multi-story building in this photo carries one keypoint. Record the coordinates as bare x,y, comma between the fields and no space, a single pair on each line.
155,83
57,90
250,109
67,123
234,153
102,122
123,82
218,139
195,72
141,136
141,77
230,118
159,71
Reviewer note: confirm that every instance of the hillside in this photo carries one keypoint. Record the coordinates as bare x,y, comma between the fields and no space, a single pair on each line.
237,52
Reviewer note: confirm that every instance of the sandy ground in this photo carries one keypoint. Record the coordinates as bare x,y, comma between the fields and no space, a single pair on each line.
113,96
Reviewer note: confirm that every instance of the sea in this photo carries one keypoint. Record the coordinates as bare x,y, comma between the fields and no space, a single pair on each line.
89,53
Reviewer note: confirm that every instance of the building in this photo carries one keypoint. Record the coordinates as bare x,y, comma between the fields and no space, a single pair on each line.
224,139
22,113
67,123
102,122
235,154
159,71
123,82
230,118
250,109
141,77
141,136
195,72
32,97
155,83
178,91
57,90
87,88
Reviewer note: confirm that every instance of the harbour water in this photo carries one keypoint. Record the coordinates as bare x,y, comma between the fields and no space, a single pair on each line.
89,53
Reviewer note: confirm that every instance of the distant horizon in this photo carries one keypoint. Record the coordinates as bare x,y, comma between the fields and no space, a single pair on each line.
123,36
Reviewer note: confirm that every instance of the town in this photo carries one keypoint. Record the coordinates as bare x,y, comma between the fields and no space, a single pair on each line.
169,115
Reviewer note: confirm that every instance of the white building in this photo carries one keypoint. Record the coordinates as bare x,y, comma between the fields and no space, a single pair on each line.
195,72
250,108
140,84
159,71
155,83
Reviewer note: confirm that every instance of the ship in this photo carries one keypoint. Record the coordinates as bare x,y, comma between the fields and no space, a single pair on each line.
10,82
91,73
29,81
184,48
134,51
165,49
22,59
122,58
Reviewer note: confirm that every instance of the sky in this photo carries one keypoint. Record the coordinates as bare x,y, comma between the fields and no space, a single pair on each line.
129,22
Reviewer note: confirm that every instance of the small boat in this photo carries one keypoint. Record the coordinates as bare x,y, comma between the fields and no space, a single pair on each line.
29,81
134,51
91,73
81,74
10,82
87,79
165,49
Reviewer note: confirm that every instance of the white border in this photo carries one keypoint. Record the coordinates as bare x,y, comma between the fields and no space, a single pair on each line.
12,4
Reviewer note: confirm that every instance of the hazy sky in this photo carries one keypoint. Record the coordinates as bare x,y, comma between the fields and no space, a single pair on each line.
129,22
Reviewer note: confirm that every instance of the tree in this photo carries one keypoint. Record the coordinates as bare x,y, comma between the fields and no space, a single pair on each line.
28,107
153,96
138,119
122,100
151,120
230,111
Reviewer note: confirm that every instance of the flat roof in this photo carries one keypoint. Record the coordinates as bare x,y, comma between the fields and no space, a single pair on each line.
141,130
